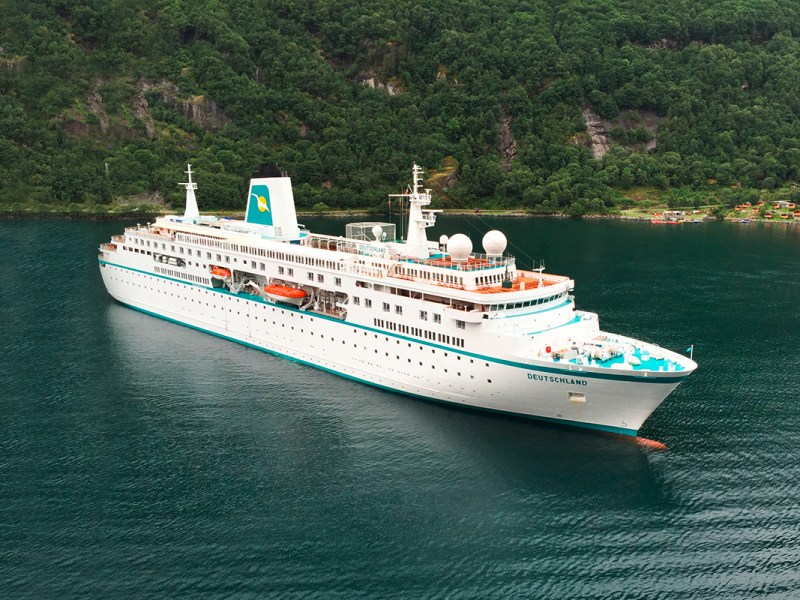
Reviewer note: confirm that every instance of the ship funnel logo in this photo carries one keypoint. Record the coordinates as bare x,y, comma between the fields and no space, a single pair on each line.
259,209
260,193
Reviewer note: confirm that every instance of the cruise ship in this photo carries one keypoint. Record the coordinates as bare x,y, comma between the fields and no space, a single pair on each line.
429,319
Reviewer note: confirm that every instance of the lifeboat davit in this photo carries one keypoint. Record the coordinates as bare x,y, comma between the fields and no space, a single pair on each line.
220,272
284,293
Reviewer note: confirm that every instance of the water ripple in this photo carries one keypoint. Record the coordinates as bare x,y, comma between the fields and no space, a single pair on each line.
142,459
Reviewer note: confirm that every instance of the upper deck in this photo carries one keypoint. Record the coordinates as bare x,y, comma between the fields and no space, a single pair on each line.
447,270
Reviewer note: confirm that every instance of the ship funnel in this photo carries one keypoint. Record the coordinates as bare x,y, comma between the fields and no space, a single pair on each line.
270,202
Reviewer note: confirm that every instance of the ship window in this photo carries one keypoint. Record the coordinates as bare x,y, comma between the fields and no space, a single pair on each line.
385,307
280,270
460,325
320,278
338,281
356,300
437,318
311,277
398,309
290,271
423,315
367,302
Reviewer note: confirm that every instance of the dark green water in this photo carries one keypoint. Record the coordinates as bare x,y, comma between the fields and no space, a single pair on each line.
140,459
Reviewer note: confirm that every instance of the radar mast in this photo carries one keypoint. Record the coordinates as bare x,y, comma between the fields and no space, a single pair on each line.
418,218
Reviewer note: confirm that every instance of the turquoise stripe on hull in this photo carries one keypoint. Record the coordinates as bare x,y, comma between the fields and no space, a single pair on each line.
518,365
606,428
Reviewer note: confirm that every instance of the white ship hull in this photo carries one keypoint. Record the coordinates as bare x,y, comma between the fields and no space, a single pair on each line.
434,321
503,382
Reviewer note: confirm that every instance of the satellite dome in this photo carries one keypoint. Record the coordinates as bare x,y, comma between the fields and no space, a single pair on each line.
459,246
377,231
443,239
494,243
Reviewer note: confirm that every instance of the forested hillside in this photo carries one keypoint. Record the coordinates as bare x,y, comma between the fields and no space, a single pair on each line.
544,104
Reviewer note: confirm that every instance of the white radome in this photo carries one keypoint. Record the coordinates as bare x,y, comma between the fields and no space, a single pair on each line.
460,247
494,243
443,239
377,231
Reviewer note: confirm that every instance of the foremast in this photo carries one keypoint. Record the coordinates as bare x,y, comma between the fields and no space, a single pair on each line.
191,214
419,219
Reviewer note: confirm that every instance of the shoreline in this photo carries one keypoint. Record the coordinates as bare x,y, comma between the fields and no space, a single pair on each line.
151,212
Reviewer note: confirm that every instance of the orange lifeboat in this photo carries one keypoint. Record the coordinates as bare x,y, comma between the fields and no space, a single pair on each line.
220,271
284,293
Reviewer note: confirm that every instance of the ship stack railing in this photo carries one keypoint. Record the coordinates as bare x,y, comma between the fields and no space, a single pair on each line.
347,245
475,262
158,236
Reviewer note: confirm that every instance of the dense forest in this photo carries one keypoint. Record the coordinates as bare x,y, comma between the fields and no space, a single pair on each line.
554,106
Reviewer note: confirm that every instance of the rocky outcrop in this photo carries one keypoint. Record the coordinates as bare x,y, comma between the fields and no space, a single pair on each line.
142,110
95,105
442,75
664,44
198,109
598,130
506,142
11,63
442,179
86,120
201,111
650,121
392,86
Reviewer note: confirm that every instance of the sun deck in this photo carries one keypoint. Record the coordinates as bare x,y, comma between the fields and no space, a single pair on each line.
609,353
524,280
475,262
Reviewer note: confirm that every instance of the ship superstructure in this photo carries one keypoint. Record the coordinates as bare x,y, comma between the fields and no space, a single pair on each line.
433,320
